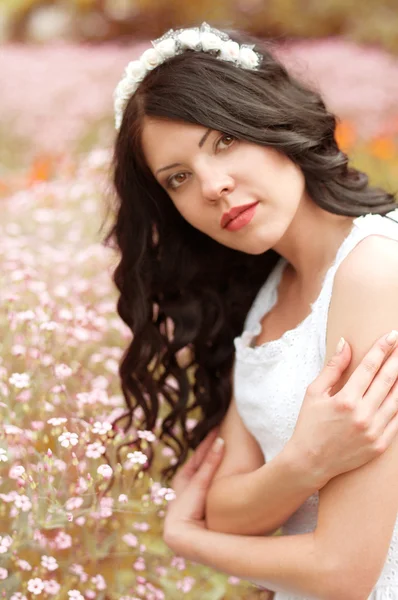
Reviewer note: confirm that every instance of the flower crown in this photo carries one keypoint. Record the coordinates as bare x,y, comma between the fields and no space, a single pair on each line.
199,39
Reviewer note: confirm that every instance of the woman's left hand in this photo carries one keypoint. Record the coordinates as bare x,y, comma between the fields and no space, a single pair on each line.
186,513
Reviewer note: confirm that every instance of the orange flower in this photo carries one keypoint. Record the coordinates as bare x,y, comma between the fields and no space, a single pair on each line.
345,135
383,147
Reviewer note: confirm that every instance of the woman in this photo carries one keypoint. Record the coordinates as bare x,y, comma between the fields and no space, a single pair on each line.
238,211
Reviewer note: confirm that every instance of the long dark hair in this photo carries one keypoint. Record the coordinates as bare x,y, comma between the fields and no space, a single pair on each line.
170,270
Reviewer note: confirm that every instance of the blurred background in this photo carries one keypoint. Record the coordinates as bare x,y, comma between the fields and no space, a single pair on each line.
61,337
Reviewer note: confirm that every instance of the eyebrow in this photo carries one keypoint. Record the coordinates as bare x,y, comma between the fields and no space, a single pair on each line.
201,142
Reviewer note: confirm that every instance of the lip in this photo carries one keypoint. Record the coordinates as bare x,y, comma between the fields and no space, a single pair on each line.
234,212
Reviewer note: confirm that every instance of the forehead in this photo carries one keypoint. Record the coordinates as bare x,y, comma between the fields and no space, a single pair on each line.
162,139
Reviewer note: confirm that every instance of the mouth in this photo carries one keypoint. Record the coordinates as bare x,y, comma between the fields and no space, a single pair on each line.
231,217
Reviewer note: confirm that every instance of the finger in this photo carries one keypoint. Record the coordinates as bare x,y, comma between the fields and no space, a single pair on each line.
382,384
333,370
196,491
207,469
369,366
387,411
389,435
197,457
192,464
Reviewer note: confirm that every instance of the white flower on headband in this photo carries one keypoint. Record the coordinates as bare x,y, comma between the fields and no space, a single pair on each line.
210,41
135,70
167,48
230,51
189,39
151,59
248,58
203,39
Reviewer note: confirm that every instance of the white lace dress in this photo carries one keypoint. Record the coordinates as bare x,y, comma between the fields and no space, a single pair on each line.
270,381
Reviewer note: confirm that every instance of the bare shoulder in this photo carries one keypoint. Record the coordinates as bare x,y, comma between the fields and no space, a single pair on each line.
364,297
374,260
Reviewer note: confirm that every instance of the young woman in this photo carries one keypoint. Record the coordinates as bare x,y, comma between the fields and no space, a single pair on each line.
241,223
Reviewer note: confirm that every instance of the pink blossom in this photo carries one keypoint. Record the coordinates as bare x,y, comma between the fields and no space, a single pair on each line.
3,573
62,540
24,565
35,586
62,371
49,563
130,539
18,596
51,587
95,450
186,584
105,470
23,503
99,582
75,595
73,503
3,455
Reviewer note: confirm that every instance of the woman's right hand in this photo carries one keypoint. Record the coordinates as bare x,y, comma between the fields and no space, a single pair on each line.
339,432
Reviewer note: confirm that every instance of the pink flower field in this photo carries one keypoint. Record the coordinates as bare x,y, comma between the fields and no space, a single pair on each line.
78,518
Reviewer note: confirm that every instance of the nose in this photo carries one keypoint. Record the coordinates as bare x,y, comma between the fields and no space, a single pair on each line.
215,184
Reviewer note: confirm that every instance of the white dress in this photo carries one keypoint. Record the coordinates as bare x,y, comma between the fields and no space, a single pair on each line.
270,381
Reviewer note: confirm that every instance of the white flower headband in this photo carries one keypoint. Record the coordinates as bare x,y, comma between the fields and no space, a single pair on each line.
200,39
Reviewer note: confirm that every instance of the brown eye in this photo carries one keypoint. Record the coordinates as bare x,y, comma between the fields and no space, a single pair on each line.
227,140
176,179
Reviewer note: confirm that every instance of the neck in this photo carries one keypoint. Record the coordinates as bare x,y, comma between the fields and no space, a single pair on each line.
312,240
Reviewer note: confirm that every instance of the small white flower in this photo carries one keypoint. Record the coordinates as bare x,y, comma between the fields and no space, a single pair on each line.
167,48
151,59
3,455
210,41
190,38
230,51
18,596
146,435
20,380
3,573
101,428
57,421
105,470
137,457
68,439
248,58
135,71
123,498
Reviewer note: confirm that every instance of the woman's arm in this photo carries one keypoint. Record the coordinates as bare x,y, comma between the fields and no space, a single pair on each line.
250,497
343,557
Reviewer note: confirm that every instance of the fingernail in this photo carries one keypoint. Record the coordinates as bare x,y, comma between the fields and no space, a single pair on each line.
392,337
340,346
218,444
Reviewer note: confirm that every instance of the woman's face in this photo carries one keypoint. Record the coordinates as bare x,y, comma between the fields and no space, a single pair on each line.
207,173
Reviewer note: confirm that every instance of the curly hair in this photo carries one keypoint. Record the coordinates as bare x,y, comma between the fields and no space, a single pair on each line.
168,270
